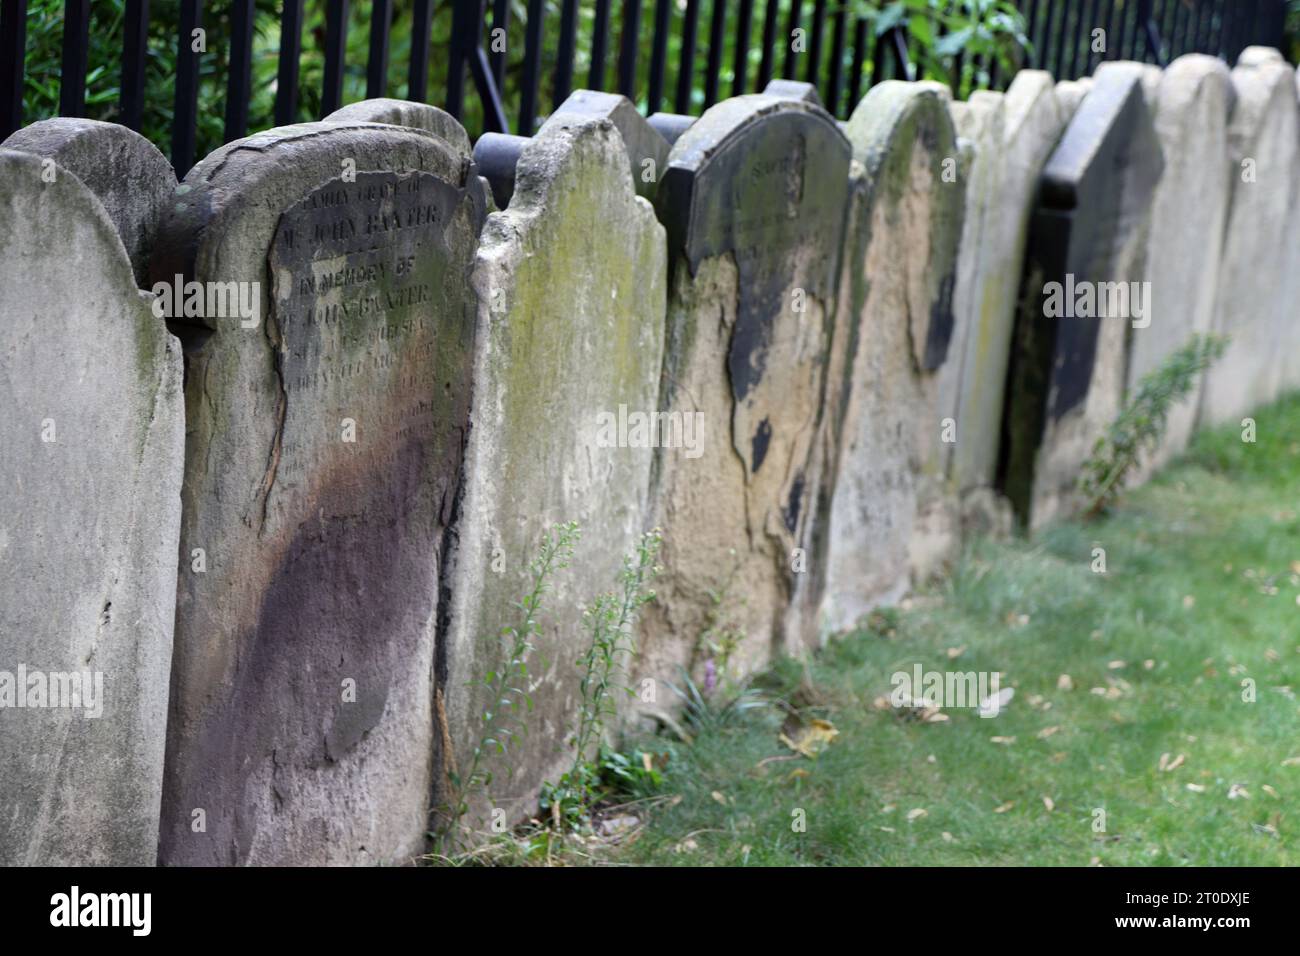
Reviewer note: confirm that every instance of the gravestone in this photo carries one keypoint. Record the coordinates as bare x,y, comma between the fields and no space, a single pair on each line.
979,125
125,171
571,281
1032,120
1288,352
891,515
406,113
646,149
1188,211
753,201
323,454
1252,306
1087,244
93,435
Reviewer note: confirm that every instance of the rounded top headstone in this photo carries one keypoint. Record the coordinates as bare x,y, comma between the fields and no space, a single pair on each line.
132,179
1258,56
406,113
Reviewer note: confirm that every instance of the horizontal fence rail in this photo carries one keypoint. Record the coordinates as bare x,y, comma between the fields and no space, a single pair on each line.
501,63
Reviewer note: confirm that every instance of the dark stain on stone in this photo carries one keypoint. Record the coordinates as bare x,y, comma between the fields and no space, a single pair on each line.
941,324
790,513
762,438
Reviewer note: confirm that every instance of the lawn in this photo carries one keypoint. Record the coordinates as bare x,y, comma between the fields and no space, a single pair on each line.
1133,737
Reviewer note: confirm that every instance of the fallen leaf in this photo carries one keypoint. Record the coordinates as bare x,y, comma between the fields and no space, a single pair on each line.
1149,664
812,738
1117,665
1195,788
1237,790
1065,682
1004,808
916,814
993,704
956,652
647,761
1048,731
1007,741
1270,791
1049,803
718,798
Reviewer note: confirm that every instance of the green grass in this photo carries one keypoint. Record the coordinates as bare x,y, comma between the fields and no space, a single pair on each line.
1199,582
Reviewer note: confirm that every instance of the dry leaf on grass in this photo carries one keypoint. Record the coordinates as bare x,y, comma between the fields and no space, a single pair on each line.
916,814
809,739
1005,807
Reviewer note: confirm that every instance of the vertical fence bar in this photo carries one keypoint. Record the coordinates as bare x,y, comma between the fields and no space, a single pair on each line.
898,39
286,79
532,66
792,24
686,66
239,82
135,48
599,46
879,53
860,38
713,65
381,22
658,56
76,42
628,48
417,80
811,73
740,55
1092,22
13,54
564,53
1062,42
186,105
336,45
1221,33
465,18
834,82
1076,40
766,64
1031,21
497,54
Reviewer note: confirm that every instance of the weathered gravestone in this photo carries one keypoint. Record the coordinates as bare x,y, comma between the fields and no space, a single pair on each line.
571,281
93,438
406,113
1191,108
890,513
323,454
1251,307
753,201
1082,288
125,171
1288,350
993,249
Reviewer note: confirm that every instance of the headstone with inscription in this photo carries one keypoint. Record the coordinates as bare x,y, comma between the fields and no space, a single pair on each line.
123,169
753,200
1251,307
93,435
1083,286
993,250
1191,107
325,434
571,281
891,515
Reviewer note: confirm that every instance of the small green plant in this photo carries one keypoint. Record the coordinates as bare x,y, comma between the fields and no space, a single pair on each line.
1142,421
722,633
506,687
609,621
707,714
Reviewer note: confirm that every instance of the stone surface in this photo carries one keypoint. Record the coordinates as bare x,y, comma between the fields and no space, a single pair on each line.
647,150
753,202
1066,380
93,435
132,180
1252,306
323,454
1192,103
891,516
572,285
993,249
406,113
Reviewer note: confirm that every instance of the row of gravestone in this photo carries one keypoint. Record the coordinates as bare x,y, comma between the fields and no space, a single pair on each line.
355,397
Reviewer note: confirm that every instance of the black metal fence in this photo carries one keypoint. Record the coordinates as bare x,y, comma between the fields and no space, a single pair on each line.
664,53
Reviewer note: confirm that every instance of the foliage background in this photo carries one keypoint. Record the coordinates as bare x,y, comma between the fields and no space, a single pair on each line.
938,29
